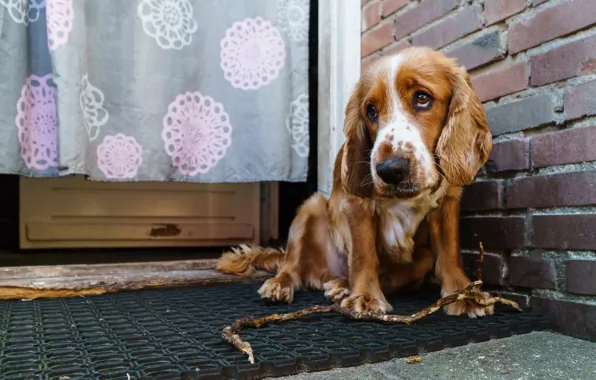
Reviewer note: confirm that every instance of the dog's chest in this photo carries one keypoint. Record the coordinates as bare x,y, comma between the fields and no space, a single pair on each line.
398,221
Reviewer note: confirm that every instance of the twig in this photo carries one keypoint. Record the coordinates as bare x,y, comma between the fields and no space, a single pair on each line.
472,293
480,263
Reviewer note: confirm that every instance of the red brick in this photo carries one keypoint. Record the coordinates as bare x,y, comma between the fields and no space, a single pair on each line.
497,10
532,272
483,49
371,14
527,113
392,6
550,23
580,100
495,232
509,155
422,14
376,39
564,147
565,61
569,318
482,196
363,2
366,62
396,47
564,231
581,277
504,80
555,190
450,29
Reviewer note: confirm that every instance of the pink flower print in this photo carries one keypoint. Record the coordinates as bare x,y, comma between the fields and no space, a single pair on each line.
196,133
119,156
252,54
293,17
59,19
37,123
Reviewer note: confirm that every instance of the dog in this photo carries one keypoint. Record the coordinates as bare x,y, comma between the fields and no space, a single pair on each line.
416,133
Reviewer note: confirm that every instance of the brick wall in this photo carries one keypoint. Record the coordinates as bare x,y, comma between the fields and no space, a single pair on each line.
533,205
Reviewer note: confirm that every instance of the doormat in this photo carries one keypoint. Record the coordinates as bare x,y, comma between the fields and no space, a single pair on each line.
176,334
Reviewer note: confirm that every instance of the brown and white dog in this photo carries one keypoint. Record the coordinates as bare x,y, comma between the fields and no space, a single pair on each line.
415,134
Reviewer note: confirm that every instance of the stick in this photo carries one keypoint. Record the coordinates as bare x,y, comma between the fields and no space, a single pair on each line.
472,293
480,263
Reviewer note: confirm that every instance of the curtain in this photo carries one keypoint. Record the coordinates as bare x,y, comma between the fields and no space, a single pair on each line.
155,90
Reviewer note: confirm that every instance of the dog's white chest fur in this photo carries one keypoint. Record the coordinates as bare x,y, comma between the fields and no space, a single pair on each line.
399,220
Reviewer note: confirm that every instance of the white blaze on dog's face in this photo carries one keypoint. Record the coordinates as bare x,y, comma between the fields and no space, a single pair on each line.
423,122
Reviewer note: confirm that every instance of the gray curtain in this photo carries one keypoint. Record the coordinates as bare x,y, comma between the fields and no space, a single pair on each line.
155,90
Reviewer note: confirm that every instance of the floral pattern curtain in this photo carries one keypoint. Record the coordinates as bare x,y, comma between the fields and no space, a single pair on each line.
155,90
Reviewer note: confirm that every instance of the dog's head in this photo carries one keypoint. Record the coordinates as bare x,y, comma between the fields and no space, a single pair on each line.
412,121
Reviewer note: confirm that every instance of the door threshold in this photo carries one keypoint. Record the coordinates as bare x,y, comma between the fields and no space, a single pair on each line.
34,282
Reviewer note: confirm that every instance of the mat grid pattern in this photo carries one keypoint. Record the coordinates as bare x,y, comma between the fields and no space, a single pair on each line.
175,334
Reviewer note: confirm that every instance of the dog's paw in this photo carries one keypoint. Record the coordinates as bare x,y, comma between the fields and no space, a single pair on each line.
367,304
336,290
276,291
470,308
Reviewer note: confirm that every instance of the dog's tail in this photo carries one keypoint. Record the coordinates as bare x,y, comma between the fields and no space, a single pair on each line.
244,260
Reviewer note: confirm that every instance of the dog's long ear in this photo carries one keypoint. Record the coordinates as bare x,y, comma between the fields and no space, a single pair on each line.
355,165
465,142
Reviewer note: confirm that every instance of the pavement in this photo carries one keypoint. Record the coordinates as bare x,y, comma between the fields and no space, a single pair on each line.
537,355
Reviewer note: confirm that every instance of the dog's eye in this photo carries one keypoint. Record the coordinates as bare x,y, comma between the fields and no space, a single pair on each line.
372,113
422,101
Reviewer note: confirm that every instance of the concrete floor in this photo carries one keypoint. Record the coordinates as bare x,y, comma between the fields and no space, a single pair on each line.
539,355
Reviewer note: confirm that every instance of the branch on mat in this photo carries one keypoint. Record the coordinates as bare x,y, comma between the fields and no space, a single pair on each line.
231,334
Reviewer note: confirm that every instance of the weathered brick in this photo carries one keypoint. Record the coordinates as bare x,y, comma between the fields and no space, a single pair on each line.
497,10
565,61
564,231
570,318
580,100
450,29
532,272
420,15
396,47
550,23
493,268
366,62
483,49
523,114
362,2
392,6
509,155
581,277
495,232
538,2
482,196
555,190
564,147
504,80
377,38
371,15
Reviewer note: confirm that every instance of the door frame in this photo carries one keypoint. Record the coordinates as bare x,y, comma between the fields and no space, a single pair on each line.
338,73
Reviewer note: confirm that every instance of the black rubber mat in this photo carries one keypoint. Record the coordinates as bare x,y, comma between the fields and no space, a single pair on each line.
175,334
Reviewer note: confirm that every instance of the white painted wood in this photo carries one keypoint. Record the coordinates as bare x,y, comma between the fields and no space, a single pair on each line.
74,212
339,70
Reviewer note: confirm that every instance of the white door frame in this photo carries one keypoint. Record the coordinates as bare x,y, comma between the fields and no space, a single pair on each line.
338,72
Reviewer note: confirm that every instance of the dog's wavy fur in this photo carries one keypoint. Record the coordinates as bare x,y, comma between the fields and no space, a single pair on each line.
370,238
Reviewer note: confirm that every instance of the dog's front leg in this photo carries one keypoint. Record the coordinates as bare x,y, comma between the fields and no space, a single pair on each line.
365,289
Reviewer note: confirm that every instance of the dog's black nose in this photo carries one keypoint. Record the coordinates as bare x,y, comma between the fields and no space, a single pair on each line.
394,170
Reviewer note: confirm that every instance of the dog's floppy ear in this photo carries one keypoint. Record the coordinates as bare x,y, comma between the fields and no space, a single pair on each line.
355,166
465,142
